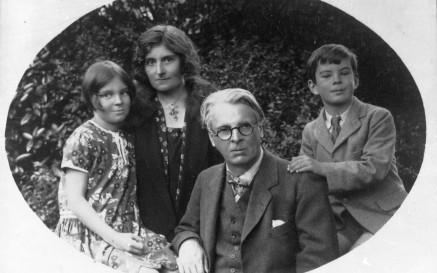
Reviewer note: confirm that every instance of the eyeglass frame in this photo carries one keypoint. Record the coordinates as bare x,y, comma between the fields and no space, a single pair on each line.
216,134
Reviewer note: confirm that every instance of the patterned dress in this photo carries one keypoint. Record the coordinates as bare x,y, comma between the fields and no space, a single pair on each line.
108,159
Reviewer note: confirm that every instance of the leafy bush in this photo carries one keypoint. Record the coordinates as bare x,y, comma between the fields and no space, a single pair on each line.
259,45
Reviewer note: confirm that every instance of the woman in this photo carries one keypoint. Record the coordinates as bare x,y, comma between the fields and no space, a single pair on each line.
172,148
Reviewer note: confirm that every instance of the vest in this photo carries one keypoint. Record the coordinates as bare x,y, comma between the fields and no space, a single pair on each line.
229,228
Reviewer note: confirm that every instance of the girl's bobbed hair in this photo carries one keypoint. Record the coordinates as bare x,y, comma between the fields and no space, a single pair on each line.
100,74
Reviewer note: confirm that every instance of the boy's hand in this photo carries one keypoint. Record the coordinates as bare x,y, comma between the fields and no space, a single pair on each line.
304,163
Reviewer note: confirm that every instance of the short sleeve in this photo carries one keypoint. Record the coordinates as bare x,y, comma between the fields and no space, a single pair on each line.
78,151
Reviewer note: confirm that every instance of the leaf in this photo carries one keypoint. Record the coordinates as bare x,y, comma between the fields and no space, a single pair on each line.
39,132
27,87
28,136
29,145
24,97
26,118
21,157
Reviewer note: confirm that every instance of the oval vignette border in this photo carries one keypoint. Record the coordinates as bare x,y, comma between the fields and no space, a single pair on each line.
407,243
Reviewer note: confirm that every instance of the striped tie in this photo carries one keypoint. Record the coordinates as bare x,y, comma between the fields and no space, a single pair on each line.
335,122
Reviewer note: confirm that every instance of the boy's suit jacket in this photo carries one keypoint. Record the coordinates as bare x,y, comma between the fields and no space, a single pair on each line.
305,241
361,167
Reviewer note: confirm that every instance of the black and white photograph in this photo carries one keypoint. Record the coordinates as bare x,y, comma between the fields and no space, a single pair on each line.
218,136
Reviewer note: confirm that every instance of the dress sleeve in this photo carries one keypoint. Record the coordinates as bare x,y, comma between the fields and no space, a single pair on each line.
77,152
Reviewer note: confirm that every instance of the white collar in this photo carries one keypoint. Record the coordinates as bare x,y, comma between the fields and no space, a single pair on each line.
343,116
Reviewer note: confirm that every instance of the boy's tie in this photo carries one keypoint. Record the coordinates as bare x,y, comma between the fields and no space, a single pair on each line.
335,122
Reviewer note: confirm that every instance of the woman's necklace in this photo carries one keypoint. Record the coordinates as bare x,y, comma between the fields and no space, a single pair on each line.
174,107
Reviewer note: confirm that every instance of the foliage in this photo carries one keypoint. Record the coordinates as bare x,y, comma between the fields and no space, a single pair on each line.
259,45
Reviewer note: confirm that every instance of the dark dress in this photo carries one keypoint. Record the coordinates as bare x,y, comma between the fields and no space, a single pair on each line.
159,210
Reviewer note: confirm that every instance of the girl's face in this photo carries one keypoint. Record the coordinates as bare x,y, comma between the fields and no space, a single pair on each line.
113,104
163,69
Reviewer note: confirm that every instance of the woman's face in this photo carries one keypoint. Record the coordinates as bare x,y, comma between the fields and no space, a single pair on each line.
163,69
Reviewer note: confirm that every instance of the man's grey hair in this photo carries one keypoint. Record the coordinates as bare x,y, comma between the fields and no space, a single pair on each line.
230,96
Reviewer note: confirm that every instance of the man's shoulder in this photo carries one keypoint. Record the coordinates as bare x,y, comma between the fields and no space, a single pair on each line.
213,170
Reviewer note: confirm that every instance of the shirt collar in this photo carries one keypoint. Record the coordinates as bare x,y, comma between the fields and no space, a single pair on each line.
343,116
250,174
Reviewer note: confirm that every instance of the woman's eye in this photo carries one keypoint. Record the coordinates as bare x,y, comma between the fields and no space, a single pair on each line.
168,59
150,62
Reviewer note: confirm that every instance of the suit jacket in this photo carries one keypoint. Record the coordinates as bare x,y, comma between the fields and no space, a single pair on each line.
157,210
305,241
361,167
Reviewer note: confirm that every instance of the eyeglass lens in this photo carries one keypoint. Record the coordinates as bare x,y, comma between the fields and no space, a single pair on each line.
244,129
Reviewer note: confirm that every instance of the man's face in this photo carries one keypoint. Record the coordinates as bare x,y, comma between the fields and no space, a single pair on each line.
335,83
240,152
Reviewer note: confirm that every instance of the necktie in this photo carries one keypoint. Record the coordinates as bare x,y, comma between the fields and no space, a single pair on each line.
239,186
335,122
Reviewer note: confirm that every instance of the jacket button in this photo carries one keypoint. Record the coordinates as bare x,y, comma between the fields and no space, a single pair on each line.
232,256
345,200
232,270
236,247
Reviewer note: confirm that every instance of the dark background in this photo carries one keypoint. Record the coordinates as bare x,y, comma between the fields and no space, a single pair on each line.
259,45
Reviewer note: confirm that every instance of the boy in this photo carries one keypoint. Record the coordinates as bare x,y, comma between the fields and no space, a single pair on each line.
352,144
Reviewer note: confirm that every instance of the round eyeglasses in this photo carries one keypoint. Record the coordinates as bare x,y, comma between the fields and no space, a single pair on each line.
244,129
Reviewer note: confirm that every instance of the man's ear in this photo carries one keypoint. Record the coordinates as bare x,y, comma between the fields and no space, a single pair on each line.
211,139
313,87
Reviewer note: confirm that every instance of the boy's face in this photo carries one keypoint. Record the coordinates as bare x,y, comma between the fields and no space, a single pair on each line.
335,83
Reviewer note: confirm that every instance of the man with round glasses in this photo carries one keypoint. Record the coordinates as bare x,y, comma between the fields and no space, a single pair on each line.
249,214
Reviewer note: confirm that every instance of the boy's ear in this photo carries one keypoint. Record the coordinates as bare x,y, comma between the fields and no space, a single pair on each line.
357,81
313,87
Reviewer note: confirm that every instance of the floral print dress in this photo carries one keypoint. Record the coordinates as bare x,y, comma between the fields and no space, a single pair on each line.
108,159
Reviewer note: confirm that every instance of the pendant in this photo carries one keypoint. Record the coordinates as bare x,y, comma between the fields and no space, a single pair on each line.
174,112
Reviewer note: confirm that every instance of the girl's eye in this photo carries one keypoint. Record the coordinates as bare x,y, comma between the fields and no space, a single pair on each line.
325,76
105,95
124,93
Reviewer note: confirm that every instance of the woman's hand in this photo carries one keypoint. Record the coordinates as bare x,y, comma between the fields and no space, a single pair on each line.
127,242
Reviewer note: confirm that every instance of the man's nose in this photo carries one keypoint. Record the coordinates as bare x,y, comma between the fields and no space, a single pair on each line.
235,135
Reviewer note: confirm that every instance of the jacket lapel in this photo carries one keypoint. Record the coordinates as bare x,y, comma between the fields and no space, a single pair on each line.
196,147
211,205
147,140
260,195
352,123
321,133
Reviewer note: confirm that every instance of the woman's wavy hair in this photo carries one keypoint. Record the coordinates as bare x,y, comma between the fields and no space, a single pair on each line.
174,40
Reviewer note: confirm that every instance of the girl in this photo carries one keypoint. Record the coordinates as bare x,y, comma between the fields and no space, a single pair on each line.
97,194
171,146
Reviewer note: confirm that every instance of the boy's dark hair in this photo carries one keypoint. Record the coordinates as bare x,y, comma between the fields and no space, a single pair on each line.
174,40
100,74
330,54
